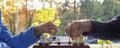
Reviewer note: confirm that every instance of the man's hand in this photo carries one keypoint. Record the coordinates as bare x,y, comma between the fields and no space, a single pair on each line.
48,27
78,27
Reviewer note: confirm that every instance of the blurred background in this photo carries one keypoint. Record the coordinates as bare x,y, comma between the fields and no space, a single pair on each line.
19,15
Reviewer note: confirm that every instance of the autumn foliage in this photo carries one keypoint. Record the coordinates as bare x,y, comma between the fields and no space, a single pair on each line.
26,18
45,15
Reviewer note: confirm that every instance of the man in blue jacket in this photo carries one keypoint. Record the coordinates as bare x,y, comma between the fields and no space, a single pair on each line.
25,38
103,30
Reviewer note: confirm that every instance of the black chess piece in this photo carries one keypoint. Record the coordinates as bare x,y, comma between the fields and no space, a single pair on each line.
58,43
54,38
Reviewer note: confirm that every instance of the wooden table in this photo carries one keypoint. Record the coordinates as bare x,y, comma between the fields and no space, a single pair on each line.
61,46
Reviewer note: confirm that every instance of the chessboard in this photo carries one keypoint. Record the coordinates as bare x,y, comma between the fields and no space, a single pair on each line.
61,42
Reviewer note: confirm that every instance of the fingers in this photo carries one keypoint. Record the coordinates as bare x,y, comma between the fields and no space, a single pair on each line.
75,29
66,30
71,29
52,28
50,31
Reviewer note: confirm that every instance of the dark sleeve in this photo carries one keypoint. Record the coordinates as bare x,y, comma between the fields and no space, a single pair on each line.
106,30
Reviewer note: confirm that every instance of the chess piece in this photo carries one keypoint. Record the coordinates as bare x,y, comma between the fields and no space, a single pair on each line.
44,40
54,38
69,41
58,42
75,42
80,38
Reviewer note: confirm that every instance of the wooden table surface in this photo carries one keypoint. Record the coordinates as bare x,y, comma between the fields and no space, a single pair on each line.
86,46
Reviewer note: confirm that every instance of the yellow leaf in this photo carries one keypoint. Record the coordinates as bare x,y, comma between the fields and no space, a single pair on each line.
1,0
57,22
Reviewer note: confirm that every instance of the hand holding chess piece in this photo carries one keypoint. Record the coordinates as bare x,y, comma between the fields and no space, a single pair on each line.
47,27
76,29
43,28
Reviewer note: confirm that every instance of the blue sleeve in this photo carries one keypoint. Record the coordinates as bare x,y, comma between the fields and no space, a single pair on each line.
23,40
106,30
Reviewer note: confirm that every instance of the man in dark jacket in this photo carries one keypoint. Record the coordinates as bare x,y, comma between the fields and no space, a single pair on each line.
102,30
